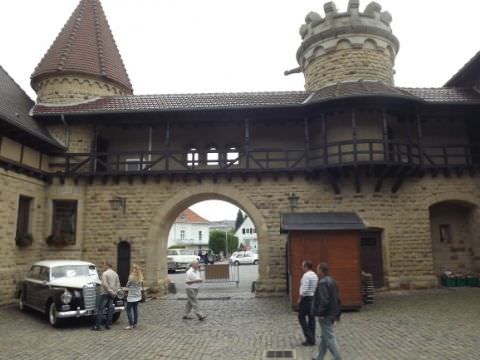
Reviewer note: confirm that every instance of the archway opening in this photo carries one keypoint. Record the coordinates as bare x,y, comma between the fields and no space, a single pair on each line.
454,229
215,232
157,244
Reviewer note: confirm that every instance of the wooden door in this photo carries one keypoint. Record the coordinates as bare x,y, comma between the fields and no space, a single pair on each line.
123,262
340,249
371,256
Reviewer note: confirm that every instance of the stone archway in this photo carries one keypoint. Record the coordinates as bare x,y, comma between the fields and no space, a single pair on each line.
157,238
454,225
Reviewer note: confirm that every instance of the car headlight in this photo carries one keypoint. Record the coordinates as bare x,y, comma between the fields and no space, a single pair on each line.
121,294
77,294
66,297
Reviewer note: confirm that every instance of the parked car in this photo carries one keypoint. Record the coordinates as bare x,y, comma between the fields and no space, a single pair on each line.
63,289
180,259
244,257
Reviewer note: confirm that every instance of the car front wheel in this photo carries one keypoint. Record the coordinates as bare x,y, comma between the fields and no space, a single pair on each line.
236,263
255,262
52,315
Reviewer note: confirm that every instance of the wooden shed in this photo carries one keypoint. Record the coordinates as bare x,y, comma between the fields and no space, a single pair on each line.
330,237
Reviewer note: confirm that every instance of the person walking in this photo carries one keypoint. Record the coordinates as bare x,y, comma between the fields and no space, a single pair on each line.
108,292
308,285
134,287
326,305
193,281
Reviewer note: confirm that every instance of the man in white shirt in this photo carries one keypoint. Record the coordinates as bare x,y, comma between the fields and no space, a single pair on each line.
193,283
308,286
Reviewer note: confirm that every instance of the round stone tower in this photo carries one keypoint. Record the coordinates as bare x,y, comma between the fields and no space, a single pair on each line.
347,46
83,62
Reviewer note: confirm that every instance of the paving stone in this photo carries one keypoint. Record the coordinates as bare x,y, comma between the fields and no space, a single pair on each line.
425,324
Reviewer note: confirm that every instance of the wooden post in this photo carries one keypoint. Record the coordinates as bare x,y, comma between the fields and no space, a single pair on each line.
354,135
324,134
93,150
167,145
247,143
409,140
419,137
385,135
307,141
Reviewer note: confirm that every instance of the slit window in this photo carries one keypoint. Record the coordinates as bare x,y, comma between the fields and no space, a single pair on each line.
445,233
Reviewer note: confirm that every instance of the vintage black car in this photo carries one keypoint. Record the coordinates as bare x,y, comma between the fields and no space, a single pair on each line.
63,289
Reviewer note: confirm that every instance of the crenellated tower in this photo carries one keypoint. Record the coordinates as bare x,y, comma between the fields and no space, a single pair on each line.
347,46
83,62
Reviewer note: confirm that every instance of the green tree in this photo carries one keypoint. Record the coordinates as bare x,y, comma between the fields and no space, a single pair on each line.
217,242
239,220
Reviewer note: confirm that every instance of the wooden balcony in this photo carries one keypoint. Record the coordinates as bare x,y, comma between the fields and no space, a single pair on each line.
330,156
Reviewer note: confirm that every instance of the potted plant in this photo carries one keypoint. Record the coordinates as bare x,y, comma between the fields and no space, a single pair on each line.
23,240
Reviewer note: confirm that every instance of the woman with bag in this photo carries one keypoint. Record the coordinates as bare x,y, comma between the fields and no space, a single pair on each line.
134,287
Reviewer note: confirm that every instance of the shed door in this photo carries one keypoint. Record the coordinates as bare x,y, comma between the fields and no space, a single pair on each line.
371,255
123,262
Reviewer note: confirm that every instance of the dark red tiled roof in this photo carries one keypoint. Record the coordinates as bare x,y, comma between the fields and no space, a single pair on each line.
446,95
226,101
467,76
15,106
190,217
140,103
85,45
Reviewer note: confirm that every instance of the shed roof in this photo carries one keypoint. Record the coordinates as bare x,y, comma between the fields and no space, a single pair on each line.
326,221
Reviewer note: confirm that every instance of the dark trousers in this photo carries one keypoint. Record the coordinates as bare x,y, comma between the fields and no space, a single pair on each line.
306,319
132,312
103,301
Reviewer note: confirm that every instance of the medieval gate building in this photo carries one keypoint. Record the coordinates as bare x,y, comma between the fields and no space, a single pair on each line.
91,168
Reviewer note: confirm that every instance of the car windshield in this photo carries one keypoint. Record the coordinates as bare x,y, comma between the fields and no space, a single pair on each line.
70,271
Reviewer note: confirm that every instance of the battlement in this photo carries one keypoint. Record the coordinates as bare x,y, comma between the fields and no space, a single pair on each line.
353,31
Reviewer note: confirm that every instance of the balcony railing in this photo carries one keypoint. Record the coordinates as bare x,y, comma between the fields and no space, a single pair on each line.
330,155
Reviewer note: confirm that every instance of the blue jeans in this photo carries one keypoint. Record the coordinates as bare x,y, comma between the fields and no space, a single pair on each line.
132,312
103,301
328,341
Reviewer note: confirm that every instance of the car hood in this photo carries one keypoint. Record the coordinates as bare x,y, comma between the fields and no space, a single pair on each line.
75,282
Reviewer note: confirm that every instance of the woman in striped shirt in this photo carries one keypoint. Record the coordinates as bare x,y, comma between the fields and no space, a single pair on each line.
134,286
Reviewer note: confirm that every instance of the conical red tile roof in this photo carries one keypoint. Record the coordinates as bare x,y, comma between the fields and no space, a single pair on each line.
85,45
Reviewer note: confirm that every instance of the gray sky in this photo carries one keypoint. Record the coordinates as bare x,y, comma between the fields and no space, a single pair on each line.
183,46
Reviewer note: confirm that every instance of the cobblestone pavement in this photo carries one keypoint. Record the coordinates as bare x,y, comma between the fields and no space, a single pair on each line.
432,324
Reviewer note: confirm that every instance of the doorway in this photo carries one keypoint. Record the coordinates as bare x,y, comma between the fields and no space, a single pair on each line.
371,255
123,262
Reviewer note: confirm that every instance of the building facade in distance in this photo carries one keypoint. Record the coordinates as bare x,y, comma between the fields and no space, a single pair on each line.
90,168
190,231
247,234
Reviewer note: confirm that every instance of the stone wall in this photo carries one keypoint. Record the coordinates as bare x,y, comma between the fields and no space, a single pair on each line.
73,89
16,260
152,207
349,65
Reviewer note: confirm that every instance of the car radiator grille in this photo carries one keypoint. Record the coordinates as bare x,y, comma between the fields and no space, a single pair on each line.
89,297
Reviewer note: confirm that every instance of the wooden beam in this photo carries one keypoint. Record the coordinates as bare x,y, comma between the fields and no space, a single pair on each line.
324,134
306,141
354,135
247,143
385,135
357,180
419,137
333,182
378,185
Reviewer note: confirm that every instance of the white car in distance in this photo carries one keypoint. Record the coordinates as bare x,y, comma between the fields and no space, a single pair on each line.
244,257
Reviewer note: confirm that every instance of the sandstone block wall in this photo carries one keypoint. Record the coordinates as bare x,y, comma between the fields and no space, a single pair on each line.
349,65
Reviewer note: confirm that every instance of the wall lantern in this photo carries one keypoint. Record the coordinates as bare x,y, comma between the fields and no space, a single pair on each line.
118,203
293,201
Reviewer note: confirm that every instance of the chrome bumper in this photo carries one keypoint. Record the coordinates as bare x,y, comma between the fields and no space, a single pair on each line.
79,312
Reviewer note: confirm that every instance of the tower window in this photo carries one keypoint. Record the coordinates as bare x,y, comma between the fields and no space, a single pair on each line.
232,156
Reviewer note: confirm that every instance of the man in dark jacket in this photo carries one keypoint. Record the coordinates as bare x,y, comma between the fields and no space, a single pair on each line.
326,305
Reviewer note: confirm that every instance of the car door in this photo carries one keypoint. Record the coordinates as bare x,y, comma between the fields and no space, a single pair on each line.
43,286
32,287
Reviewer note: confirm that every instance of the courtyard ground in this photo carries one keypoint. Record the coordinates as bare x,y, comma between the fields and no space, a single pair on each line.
432,324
